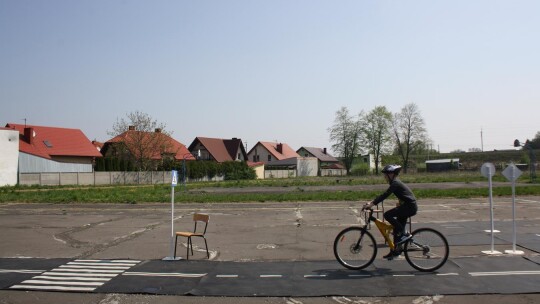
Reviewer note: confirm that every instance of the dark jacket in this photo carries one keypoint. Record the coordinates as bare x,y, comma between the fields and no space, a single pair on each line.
400,190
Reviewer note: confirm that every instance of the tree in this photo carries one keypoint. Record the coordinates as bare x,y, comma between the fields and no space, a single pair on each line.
143,141
409,131
535,142
377,133
345,134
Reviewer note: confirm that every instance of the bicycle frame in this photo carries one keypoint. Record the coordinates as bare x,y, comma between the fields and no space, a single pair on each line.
384,228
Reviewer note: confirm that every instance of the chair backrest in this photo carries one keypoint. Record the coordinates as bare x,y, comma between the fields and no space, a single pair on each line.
199,217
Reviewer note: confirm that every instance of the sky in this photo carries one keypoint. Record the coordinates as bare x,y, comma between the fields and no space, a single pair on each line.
273,70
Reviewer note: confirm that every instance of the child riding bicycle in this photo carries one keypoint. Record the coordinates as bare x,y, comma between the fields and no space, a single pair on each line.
397,216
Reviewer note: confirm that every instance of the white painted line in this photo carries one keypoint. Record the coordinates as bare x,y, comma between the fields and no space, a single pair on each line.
504,273
61,288
93,267
81,274
315,275
62,283
101,264
359,275
403,275
227,276
20,271
271,276
448,274
165,274
87,270
71,278
111,261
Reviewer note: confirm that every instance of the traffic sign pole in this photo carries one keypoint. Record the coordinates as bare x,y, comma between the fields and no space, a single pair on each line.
488,170
512,173
174,182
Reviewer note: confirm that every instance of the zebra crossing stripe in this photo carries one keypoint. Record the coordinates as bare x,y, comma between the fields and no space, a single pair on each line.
78,275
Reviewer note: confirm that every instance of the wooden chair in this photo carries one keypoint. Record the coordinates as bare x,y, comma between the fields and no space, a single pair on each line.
197,218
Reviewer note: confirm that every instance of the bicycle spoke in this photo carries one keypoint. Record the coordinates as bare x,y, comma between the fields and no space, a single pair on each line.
427,250
355,248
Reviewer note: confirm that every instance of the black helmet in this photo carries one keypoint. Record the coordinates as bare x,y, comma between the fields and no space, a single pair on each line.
391,169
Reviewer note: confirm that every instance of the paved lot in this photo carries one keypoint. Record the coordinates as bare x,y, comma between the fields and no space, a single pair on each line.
245,232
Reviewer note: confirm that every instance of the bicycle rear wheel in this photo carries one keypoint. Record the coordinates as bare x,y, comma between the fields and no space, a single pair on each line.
355,248
427,250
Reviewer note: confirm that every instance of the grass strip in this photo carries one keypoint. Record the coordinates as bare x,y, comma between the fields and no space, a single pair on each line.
162,194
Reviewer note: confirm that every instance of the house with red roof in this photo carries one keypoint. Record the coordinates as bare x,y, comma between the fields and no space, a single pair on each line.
51,149
271,151
146,149
218,150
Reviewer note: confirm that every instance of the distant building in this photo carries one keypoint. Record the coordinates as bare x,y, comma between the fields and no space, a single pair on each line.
269,151
218,150
9,156
152,147
439,165
51,149
327,164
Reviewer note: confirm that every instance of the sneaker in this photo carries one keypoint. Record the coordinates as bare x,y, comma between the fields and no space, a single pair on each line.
403,238
391,255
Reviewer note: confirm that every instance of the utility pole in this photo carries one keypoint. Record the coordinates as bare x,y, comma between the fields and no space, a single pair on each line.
482,138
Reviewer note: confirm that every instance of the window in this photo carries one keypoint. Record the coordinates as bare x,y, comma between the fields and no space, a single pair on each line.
48,144
269,157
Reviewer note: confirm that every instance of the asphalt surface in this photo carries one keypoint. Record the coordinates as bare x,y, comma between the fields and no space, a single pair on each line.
258,233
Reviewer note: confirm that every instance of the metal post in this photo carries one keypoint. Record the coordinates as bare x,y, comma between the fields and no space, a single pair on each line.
512,173
489,172
171,257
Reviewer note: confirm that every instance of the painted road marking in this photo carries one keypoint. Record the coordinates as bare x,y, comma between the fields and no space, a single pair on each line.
271,276
315,275
78,275
165,274
504,273
227,276
20,271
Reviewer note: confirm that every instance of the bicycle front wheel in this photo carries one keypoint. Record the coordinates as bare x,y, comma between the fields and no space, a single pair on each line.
427,250
355,248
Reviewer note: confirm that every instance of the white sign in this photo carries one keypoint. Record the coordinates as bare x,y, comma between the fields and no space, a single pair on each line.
488,170
174,181
512,173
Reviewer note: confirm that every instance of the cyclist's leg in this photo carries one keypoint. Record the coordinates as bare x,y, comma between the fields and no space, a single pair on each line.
398,217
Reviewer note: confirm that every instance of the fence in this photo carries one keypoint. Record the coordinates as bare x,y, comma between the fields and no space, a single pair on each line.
100,178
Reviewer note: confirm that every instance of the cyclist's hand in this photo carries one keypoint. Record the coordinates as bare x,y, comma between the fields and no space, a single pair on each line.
367,206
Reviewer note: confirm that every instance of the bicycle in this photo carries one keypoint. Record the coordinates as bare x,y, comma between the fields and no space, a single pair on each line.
355,247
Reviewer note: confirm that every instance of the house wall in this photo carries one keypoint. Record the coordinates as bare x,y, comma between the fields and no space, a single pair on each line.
9,154
263,154
33,164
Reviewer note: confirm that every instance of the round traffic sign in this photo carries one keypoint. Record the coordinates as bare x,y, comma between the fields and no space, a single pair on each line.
488,170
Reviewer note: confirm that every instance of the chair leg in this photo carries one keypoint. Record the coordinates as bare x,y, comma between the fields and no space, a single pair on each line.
175,242
188,244
207,253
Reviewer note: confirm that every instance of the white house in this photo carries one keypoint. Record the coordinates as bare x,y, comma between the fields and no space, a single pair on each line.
9,156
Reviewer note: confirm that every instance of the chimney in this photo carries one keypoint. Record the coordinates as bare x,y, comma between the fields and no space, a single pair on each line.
158,130
131,128
280,148
29,135
324,150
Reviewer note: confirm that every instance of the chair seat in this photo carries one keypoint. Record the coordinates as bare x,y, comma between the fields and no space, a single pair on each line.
188,234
